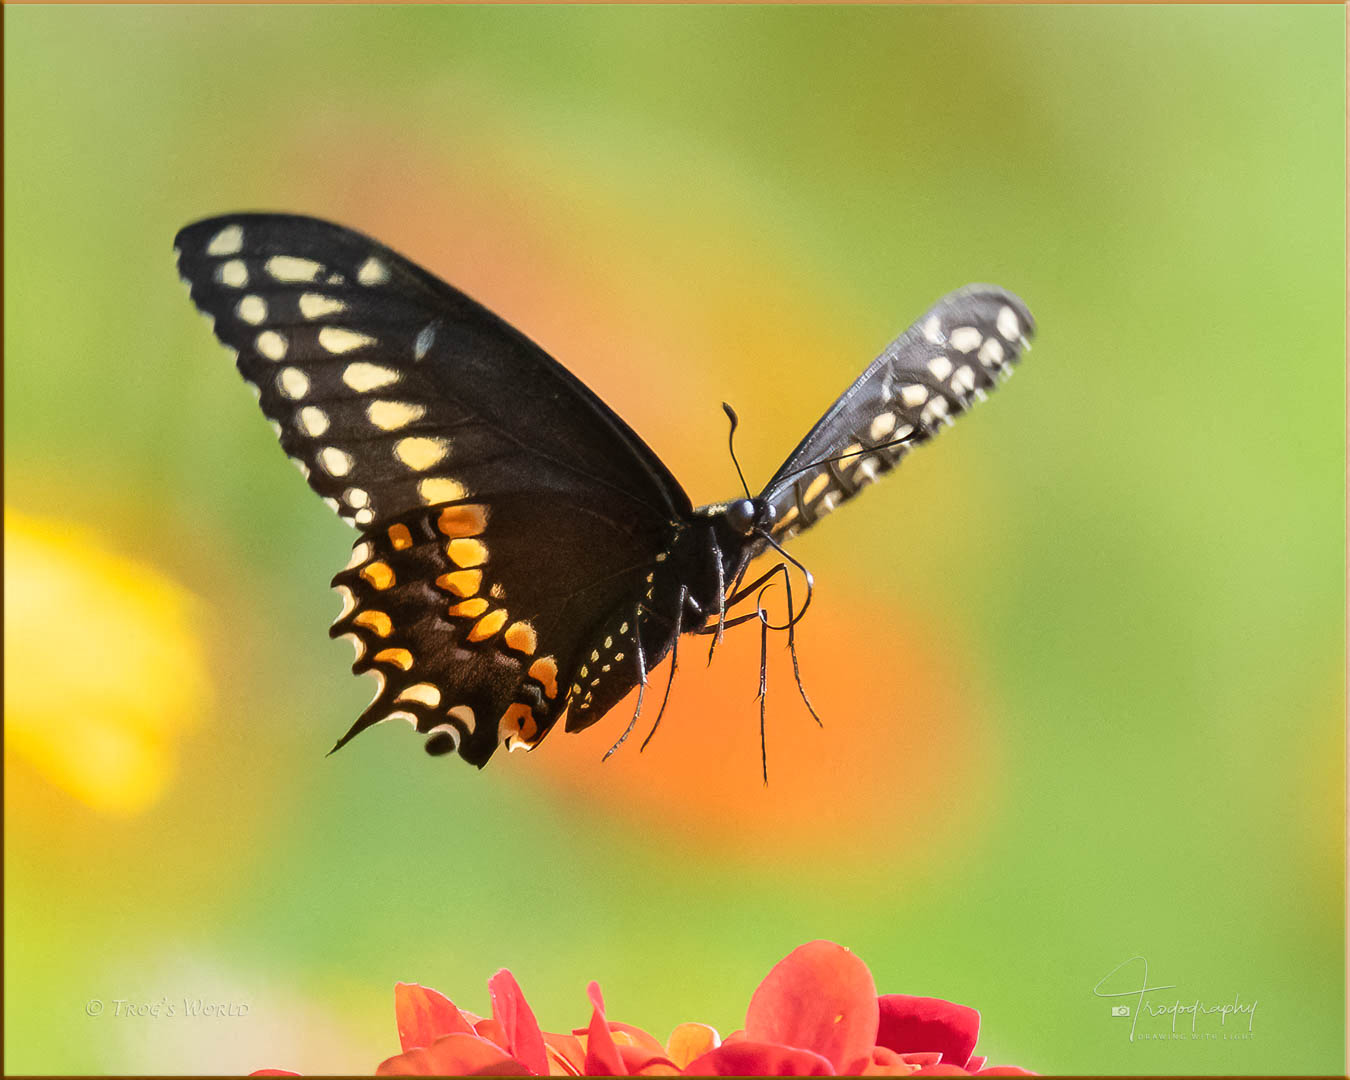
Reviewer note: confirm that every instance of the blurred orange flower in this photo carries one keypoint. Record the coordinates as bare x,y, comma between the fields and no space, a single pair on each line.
817,1013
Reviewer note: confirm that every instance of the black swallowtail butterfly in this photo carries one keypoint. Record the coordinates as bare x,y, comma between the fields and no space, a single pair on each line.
523,554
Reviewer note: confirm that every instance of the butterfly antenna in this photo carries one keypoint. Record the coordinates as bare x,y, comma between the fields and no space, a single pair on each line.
731,444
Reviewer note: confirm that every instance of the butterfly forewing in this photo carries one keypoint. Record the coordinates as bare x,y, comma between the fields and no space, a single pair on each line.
391,389
949,359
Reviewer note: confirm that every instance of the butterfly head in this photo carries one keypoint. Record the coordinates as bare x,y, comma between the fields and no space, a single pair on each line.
749,516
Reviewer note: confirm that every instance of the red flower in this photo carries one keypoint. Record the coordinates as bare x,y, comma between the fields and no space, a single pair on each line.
817,1013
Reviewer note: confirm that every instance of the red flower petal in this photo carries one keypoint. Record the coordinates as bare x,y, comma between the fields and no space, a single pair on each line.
628,1035
566,1052
274,1072
638,1059
941,1070
689,1041
523,1037
1005,1070
492,1031
453,1055
975,1064
923,1060
820,997
887,1063
746,1058
602,1056
922,1023
424,1015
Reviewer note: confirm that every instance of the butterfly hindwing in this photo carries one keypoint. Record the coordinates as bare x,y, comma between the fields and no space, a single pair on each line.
950,358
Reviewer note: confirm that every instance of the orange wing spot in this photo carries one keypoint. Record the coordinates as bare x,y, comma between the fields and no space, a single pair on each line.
400,537
469,609
521,637
517,727
545,671
467,552
378,574
488,625
461,582
377,621
398,657
464,520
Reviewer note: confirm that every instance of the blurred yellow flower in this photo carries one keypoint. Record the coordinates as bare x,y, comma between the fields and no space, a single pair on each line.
103,671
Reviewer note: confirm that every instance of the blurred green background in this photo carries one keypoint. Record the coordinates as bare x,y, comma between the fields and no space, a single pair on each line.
1080,663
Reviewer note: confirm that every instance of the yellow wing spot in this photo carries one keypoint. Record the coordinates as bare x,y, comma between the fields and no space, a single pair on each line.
461,582
488,625
789,516
372,272
252,309
363,377
466,520
439,489
882,425
420,453
497,592
423,693
294,383
400,537
545,672
392,415
467,552
336,462
316,305
469,609
226,242
313,421
271,344
818,485
337,340
233,273
377,621
521,637
378,574
291,268
400,658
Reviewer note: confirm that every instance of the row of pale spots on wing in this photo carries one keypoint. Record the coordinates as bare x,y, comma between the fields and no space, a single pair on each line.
464,525
105,671
417,453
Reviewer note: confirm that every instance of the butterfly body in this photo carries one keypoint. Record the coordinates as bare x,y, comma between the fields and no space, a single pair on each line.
524,555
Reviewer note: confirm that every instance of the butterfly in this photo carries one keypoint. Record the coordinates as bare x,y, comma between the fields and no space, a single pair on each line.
523,555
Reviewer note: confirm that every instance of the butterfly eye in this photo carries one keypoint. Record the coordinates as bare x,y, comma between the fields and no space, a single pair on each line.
741,516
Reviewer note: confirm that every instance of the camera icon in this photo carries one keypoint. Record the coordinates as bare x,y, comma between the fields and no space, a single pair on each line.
1120,1010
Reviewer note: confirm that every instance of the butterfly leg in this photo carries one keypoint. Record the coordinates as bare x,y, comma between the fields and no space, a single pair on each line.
642,681
674,663
763,686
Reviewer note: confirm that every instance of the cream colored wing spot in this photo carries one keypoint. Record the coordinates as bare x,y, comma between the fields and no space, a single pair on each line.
439,489
966,338
932,330
1008,324
469,609
293,382
449,731
819,484
348,602
338,340
420,452
233,273
376,621
964,379
423,693
488,625
313,421
991,352
520,637
292,268
400,658
316,305
940,366
913,395
469,519
271,344
866,472
372,272
425,337
882,425
358,646
467,553
360,555
356,498
379,574
365,516
464,715
392,415
363,377
935,409
229,241
252,309
461,582
400,538
336,462
545,672
304,469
